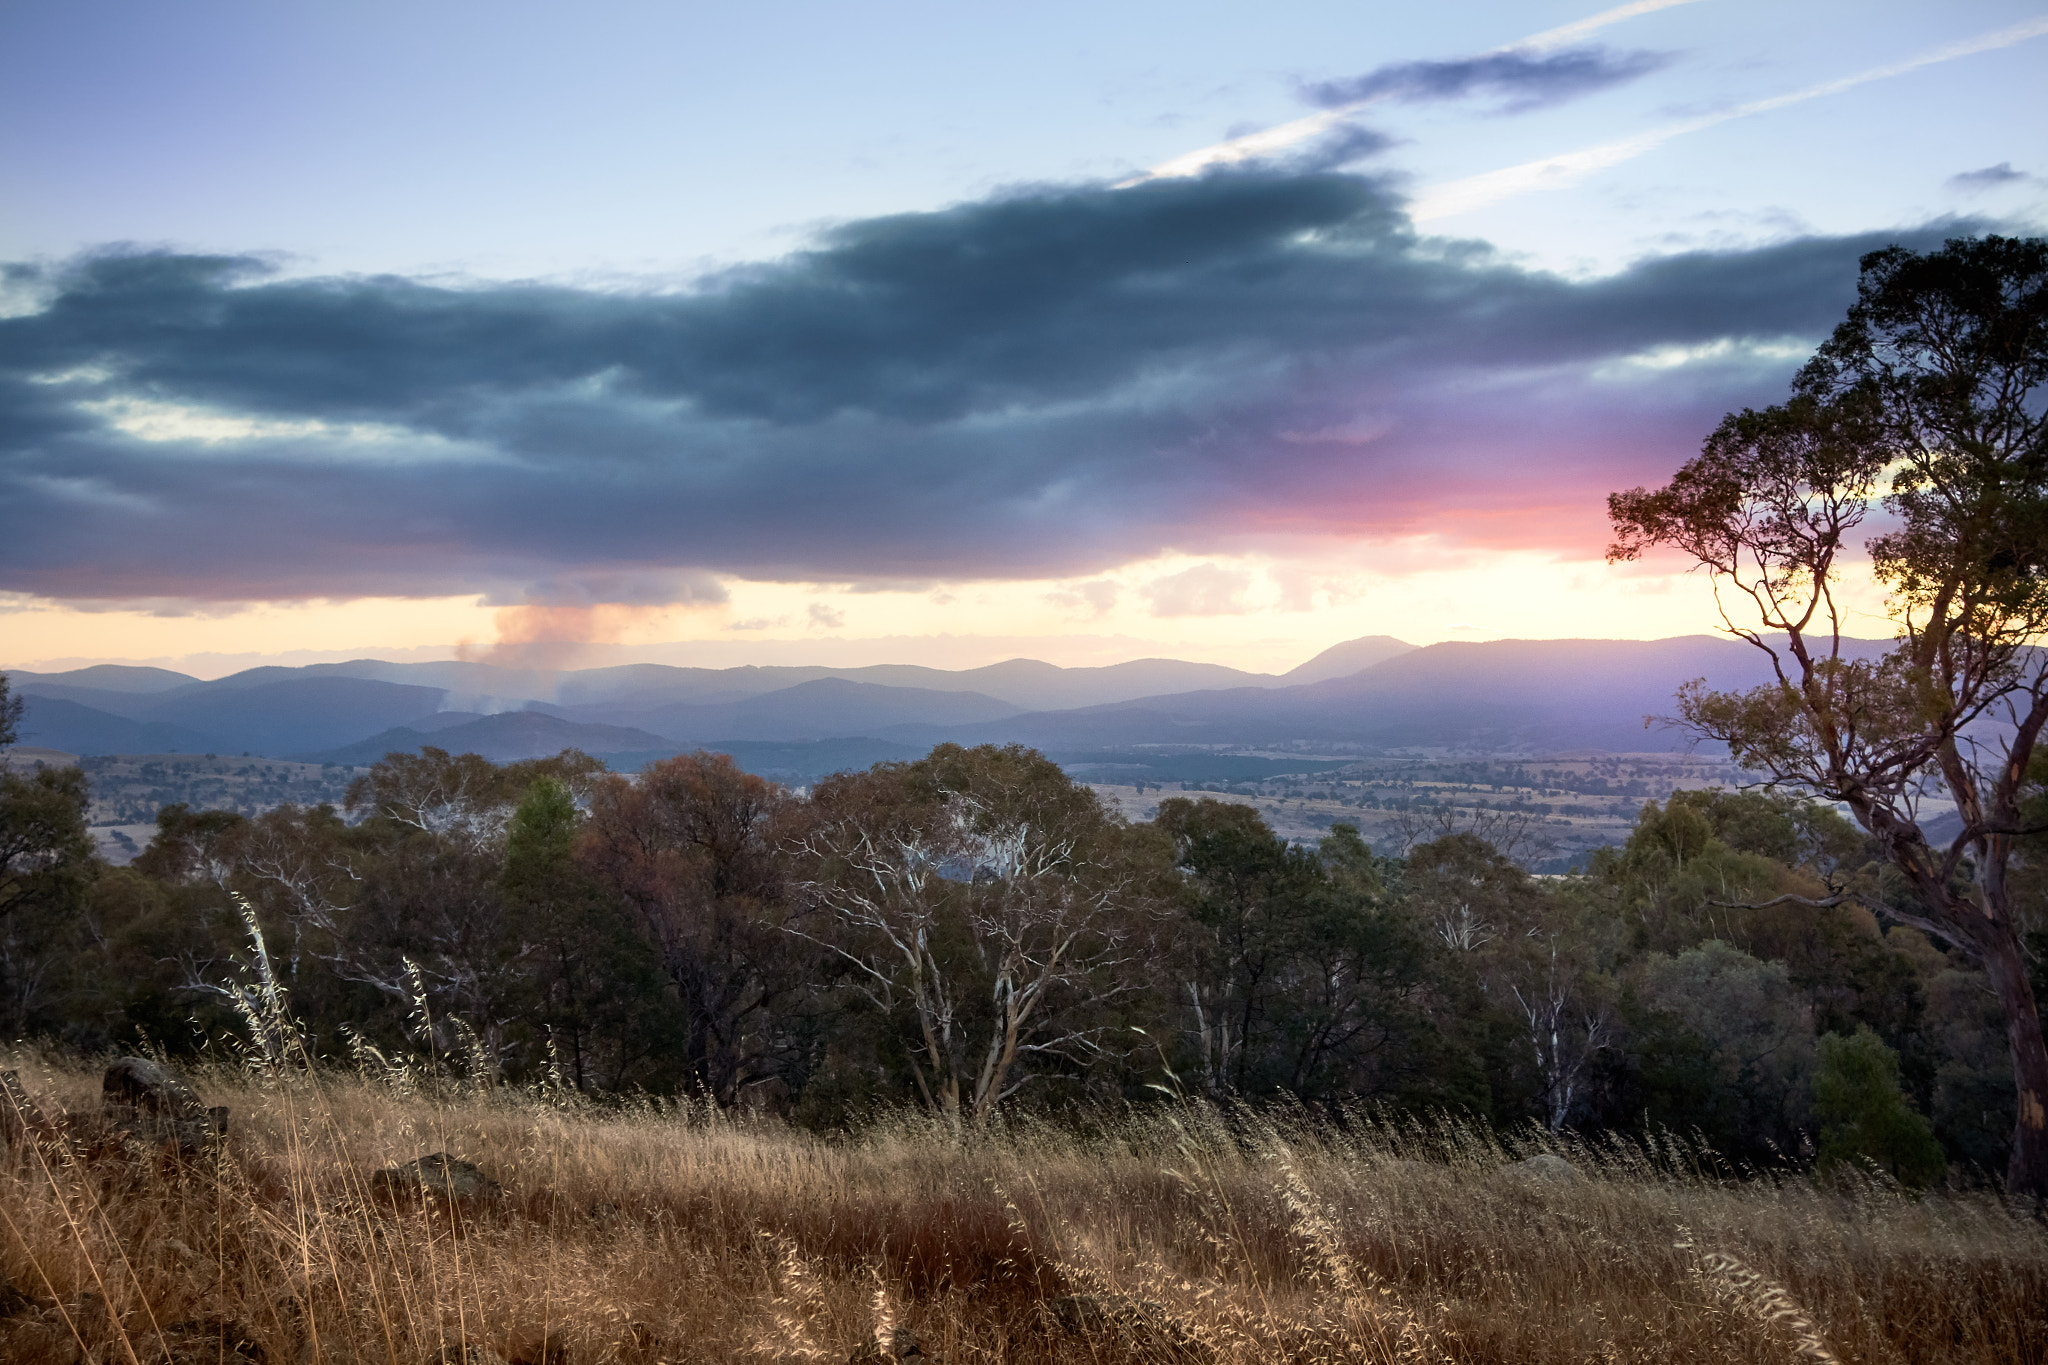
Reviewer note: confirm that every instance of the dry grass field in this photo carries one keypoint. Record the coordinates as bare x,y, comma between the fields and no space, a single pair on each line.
1181,1233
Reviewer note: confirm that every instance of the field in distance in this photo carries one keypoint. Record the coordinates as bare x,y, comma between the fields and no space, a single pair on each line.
1562,806
1566,804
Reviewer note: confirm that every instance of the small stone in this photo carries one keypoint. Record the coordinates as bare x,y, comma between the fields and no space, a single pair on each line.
1546,1167
148,1100
438,1176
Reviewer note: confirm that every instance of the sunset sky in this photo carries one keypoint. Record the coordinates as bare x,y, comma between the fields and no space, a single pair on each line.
920,332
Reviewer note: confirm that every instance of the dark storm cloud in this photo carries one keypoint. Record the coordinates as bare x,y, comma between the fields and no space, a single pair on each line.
1044,383
1520,80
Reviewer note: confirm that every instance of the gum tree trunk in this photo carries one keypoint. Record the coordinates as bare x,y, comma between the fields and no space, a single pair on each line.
2006,966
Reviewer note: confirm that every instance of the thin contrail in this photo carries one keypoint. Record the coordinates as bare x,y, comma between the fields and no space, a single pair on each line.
1571,33
1568,168
1269,140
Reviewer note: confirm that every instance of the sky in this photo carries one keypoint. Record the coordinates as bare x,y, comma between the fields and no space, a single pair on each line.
918,332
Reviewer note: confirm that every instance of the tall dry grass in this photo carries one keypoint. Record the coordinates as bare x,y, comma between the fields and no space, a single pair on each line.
675,1234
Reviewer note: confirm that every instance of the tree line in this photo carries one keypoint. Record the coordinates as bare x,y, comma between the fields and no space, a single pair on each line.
975,930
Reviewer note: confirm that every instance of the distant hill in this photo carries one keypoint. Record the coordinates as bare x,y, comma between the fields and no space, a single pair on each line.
271,711
1375,693
56,723
107,678
294,714
132,705
1502,695
1035,686
826,708
1027,684
1353,656
504,738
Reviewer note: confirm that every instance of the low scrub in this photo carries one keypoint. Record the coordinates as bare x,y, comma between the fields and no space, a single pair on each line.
677,1233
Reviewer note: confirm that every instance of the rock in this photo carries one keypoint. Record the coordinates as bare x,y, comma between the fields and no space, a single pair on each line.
438,1176
1547,1168
149,1101
902,1345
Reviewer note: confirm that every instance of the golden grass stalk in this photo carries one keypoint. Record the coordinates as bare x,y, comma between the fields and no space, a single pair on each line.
666,1232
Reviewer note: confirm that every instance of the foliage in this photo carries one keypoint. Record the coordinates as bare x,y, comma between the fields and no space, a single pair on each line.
975,934
1300,972
1922,403
593,987
989,902
46,863
1864,1115
12,707
1755,1045
691,847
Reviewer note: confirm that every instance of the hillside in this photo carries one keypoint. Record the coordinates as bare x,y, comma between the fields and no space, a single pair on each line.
1496,697
1522,696
506,737
56,723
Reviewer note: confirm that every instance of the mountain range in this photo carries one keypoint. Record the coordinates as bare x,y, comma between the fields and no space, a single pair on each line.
1369,695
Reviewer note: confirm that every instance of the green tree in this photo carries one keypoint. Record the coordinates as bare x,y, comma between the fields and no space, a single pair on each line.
1253,900
984,898
1923,402
1756,1035
11,709
597,993
1864,1114
191,846
47,861
463,797
1296,970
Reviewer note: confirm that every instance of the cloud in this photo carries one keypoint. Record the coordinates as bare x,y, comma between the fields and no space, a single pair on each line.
1579,28
826,618
1519,79
657,587
1520,71
1046,383
1298,587
1096,597
1204,590
1569,168
1989,177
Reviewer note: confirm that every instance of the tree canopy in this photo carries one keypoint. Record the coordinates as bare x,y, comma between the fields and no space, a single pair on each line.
1922,415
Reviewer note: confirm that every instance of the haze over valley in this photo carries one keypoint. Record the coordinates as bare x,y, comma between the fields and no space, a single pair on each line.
1371,731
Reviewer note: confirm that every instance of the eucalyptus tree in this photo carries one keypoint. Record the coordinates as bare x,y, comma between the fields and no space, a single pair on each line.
691,845
1922,413
990,902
